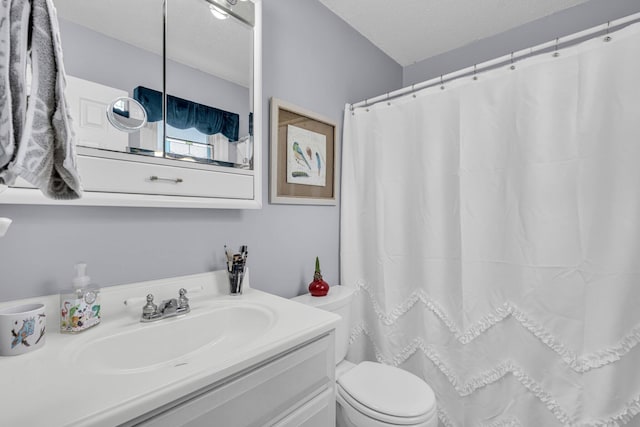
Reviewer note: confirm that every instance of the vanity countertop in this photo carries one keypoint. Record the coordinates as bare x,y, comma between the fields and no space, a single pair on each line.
57,385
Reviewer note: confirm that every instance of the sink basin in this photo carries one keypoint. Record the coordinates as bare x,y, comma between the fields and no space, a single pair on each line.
148,346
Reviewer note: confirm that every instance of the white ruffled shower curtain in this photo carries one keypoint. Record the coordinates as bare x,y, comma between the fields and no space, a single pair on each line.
492,231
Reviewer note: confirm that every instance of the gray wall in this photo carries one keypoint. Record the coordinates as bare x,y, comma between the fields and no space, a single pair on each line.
312,59
568,21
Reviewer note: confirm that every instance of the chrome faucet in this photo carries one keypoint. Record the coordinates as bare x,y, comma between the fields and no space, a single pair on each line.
169,308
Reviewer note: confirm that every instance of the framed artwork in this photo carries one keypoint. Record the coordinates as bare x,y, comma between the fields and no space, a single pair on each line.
305,156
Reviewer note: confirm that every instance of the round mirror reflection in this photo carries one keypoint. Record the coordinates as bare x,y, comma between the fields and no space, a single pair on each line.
126,114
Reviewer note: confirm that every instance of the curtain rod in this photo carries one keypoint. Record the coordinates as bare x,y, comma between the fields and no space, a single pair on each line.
509,58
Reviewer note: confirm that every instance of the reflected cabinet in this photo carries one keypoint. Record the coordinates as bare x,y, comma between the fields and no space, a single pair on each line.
165,96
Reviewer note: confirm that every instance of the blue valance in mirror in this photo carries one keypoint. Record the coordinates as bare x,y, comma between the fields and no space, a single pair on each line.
185,114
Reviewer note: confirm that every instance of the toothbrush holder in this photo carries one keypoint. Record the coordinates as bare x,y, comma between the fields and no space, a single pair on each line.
236,274
21,329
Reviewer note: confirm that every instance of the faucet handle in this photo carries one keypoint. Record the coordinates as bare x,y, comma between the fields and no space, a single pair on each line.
183,301
150,309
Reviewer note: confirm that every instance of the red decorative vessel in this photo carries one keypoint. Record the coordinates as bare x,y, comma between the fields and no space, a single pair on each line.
318,288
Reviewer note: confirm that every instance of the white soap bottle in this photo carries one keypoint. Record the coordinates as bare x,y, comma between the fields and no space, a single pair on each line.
80,307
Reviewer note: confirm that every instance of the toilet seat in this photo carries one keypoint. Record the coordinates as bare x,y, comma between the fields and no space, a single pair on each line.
388,395
363,416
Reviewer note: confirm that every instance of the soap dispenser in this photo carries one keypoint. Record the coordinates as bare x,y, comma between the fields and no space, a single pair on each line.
80,307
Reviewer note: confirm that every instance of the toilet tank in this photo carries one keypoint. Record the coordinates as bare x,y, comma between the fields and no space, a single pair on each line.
337,301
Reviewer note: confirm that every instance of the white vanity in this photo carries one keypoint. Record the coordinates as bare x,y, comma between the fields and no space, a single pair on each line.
249,360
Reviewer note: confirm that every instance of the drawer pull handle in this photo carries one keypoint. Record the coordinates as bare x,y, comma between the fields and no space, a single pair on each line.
157,178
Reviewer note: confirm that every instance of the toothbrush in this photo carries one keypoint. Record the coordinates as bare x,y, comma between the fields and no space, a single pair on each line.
229,258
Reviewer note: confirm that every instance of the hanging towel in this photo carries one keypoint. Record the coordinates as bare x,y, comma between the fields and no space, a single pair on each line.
14,37
7,143
19,42
45,149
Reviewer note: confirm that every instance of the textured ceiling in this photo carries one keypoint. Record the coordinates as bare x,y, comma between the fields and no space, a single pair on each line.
410,31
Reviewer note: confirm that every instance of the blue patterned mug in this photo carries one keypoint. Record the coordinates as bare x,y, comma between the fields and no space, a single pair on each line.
22,329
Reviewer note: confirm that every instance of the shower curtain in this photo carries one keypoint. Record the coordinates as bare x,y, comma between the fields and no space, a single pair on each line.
491,228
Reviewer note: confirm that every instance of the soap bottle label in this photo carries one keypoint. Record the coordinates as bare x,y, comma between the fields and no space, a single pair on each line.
78,314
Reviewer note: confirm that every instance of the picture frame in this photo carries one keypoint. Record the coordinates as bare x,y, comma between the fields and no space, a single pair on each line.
304,156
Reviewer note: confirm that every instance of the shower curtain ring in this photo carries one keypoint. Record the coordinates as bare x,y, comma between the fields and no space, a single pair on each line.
441,83
513,66
607,37
413,90
475,76
555,52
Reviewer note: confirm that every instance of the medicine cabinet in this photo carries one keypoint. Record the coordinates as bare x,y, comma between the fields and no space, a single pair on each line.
195,67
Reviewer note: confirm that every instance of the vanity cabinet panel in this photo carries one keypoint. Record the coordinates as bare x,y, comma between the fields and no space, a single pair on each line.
318,412
294,389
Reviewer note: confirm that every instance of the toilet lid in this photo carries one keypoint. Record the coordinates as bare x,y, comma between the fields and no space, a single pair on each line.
388,390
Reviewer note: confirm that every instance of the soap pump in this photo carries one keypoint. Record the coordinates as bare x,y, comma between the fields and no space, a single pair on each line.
80,307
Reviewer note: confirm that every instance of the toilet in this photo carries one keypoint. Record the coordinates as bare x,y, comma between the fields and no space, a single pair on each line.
370,394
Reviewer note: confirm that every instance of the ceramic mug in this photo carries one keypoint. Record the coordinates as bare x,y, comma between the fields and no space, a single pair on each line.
21,329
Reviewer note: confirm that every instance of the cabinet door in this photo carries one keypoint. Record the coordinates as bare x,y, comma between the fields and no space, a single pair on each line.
262,396
88,102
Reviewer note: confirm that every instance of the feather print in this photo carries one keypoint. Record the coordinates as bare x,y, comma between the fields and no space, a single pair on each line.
319,163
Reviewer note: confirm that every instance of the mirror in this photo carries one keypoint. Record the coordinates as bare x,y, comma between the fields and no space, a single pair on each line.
110,47
196,99
208,82
126,114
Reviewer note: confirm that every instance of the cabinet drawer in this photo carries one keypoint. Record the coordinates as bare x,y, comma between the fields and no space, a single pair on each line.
134,177
261,396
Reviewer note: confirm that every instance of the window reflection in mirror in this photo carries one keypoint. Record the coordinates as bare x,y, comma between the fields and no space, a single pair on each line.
114,49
